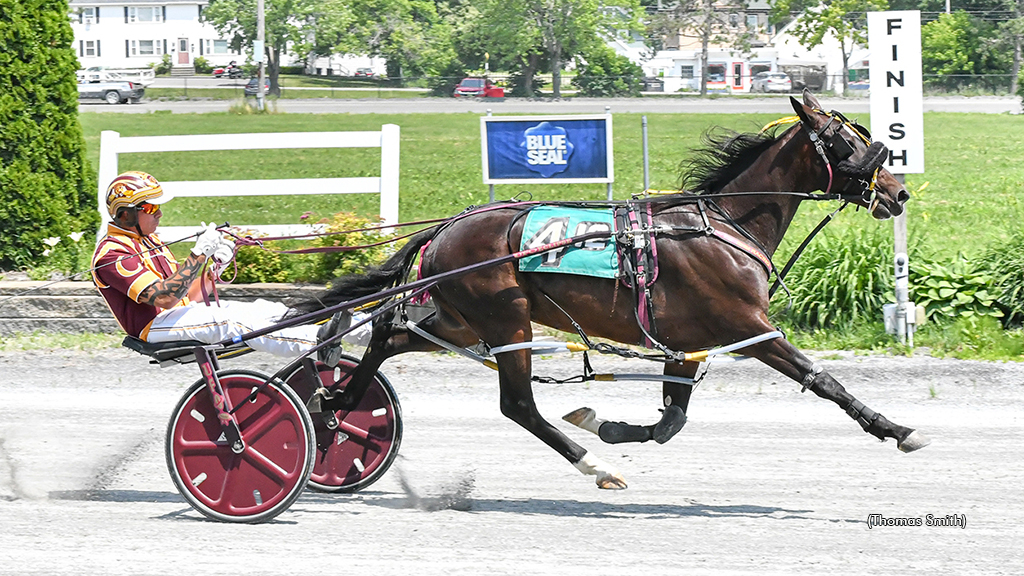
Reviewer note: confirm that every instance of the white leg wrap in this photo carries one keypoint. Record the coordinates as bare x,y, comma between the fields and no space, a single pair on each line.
607,476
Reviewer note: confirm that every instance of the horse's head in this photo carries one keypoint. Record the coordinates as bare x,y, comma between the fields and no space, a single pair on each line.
853,162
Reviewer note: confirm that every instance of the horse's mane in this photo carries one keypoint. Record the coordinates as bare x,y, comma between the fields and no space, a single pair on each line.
721,157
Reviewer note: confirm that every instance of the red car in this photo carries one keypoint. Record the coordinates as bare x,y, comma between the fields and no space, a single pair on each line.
478,87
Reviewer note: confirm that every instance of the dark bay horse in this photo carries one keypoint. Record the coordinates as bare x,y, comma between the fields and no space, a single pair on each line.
709,292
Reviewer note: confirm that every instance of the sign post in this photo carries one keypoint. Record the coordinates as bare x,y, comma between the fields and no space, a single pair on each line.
897,120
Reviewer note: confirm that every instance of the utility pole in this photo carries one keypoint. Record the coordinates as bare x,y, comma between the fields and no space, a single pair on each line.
258,51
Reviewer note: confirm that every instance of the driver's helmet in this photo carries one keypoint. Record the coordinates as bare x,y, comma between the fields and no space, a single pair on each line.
131,189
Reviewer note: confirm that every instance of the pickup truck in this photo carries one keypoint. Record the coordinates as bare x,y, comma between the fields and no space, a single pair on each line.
113,92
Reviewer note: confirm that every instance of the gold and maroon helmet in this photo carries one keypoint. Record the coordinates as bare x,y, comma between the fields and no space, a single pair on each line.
131,189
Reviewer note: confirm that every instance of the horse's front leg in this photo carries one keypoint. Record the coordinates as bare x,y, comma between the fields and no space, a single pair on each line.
517,403
785,358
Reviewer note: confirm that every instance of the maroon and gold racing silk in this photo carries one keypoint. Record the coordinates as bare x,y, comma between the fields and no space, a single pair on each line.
124,265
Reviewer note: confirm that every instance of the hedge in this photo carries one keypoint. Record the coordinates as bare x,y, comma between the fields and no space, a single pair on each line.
46,184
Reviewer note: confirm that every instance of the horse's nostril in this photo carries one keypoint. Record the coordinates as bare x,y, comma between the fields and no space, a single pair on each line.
903,196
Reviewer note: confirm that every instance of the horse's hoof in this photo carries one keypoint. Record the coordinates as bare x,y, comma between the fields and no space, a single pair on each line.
579,416
611,482
672,421
914,441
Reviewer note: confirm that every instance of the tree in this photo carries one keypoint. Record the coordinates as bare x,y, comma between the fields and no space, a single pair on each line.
409,34
556,29
299,23
602,73
46,185
845,20
707,20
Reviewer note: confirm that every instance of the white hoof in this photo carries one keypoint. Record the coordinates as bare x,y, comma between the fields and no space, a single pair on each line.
585,418
915,441
611,482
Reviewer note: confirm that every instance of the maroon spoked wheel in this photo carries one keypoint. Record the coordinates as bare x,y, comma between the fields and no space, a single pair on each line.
267,476
353,449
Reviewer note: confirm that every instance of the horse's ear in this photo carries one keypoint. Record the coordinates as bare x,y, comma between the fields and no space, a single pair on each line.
810,100
802,111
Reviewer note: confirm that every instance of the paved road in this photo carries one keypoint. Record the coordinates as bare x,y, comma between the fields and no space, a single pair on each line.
763,479
680,104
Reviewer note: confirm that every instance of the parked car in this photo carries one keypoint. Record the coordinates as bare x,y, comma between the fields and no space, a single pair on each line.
251,87
365,73
771,82
482,87
113,92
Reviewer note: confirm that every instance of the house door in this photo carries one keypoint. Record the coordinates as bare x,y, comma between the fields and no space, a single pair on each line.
183,54
737,75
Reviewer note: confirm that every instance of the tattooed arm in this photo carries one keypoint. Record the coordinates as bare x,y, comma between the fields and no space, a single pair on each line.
168,292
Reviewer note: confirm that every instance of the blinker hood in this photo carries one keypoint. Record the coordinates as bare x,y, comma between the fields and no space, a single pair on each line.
873,158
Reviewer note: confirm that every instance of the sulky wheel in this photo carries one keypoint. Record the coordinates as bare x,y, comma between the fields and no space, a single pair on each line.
267,476
353,449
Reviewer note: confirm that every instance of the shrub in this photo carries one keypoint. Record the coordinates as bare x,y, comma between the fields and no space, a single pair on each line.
202,66
293,70
604,73
329,265
164,67
1006,264
955,290
839,279
47,188
258,265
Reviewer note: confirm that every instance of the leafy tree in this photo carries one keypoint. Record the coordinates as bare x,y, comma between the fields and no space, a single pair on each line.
554,29
603,73
844,19
952,45
298,23
47,189
707,20
409,34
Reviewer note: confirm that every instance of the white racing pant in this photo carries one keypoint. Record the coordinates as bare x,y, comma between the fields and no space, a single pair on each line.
212,324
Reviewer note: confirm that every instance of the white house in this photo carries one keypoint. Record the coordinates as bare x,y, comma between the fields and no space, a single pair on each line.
137,33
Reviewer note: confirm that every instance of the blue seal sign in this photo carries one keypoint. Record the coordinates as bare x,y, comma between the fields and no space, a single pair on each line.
547,149
566,149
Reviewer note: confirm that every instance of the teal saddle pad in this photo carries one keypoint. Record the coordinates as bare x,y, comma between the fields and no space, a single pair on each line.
547,224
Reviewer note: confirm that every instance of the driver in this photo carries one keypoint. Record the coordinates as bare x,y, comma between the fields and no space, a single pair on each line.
156,299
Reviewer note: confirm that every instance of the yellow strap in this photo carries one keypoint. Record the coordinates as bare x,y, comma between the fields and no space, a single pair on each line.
786,120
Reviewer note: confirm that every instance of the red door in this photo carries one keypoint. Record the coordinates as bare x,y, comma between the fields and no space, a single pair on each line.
183,51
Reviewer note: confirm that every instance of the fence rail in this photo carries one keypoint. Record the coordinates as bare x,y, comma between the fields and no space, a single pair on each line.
112,144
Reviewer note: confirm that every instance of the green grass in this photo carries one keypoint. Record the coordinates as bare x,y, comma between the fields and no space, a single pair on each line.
55,340
232,93
972,199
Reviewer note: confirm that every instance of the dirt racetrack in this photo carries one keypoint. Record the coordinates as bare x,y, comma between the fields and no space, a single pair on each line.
763,479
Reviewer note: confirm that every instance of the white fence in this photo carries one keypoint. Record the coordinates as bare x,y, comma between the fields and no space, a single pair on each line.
112,144
137,75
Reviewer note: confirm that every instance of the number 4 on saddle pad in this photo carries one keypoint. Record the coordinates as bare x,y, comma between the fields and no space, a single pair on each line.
547,224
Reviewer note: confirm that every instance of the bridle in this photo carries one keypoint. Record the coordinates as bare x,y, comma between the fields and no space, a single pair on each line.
835,150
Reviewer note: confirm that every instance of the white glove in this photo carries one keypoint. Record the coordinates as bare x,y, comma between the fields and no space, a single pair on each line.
208,241
225,251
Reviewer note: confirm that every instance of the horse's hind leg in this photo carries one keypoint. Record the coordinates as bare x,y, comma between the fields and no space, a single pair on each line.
785,358
676,397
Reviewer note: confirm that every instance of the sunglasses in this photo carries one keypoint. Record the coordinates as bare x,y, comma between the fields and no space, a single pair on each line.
149,208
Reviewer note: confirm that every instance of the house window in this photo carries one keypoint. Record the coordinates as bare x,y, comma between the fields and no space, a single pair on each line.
686,71
217,47
144,14
88,15
146,47
89,48
716,72
752,22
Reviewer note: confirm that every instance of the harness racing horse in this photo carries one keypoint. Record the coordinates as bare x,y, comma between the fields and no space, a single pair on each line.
710,292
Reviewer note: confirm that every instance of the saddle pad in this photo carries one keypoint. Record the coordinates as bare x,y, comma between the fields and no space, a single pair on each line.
547,224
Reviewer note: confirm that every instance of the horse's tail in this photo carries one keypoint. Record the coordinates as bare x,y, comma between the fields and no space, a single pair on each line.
377,279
